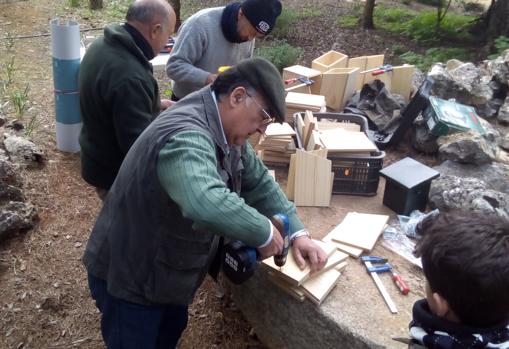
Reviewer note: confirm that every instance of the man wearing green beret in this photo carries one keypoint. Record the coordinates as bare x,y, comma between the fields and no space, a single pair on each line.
189,181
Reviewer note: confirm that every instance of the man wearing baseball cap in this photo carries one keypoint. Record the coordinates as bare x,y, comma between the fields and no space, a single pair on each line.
215,37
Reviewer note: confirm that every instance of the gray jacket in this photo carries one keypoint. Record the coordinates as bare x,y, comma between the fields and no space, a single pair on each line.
143,247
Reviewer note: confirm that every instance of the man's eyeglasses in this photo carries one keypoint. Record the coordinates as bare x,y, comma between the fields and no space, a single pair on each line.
267,119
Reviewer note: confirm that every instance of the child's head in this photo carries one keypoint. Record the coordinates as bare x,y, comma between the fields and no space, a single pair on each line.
465,258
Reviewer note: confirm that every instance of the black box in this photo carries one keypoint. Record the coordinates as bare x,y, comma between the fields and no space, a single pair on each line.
407,185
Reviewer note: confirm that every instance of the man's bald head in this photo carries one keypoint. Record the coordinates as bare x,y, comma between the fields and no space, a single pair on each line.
151,11
154,19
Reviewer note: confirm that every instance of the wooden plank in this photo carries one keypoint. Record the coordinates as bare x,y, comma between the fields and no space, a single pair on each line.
301,88
299,125
294,291
338,85
350,250
304,101
290,183
358,62
330,60
309,126
312,180
360,230
319,287
339,140
277,129
324,125
291,271
296,71
372,62
401,80
341,266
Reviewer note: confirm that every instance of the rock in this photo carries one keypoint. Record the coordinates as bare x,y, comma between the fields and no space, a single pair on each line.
504,143
499,70
467,147
494,175
503,112
451,192
491,134
453,64
465,83
422,139
10,193
418,78
22,151
16,216
8,173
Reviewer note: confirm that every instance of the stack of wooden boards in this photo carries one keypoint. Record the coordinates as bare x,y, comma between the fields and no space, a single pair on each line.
336,77
302,284
277,144
357,233
310,174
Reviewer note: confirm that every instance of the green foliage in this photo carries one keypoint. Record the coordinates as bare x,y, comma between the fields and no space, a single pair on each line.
9,71
32,125
290,17
399,49
20,101
421,27
406,2
501,44
280,53
435,55
348,21
74,3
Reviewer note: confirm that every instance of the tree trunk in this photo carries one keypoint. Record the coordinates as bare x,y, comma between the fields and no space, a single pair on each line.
95,4
367,17
176,7
496,20
493,23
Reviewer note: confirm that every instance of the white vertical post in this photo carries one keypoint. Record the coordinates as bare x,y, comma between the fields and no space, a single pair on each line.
65,48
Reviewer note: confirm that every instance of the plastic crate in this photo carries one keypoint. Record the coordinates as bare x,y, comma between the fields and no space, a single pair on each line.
352,175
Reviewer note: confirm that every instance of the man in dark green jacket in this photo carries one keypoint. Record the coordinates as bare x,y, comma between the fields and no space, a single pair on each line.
189,179
119,96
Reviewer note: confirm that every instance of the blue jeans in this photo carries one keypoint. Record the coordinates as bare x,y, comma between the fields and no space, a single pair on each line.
126,325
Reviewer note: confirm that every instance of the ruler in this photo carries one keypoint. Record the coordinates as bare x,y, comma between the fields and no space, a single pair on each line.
383,290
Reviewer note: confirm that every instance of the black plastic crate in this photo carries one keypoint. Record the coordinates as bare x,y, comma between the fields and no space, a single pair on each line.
353,175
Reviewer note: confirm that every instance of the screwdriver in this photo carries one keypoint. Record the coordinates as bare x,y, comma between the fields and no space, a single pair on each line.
398,280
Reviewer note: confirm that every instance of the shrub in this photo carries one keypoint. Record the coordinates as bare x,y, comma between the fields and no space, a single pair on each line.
280,53
501,44
348,21
435,55
289,17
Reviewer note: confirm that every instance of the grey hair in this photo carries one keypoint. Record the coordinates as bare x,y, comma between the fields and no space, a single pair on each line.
146,11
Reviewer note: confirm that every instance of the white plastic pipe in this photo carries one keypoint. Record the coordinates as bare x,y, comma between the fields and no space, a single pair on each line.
65,48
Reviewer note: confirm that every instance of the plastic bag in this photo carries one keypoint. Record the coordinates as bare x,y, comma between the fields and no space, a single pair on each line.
409,223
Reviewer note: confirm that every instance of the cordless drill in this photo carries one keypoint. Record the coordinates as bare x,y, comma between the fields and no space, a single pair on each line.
239,260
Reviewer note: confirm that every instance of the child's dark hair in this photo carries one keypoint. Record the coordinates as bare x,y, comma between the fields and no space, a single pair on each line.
465,258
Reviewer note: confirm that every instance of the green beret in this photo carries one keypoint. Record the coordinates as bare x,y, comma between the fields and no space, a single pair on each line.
264,77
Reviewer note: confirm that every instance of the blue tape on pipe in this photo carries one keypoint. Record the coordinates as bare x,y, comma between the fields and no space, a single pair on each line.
65,74
67,108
